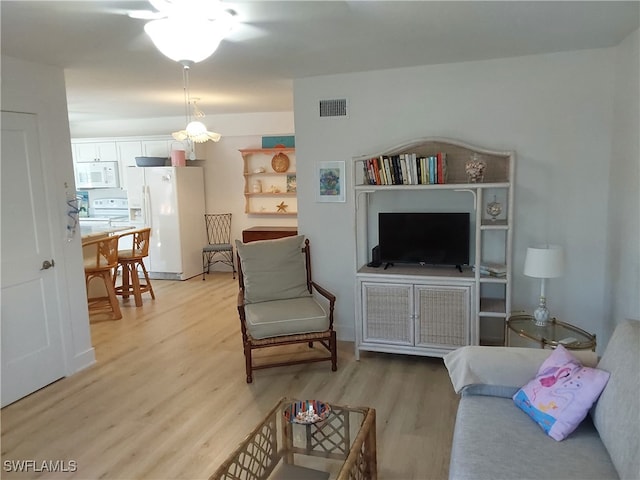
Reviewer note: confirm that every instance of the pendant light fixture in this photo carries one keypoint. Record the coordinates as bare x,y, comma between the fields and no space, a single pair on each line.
195,131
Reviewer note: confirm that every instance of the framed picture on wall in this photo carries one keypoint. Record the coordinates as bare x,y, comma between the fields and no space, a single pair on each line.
331,182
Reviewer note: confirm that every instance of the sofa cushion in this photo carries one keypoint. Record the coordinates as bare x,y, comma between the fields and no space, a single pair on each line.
481,370
285,317
494,440
273,269
561,394
616,413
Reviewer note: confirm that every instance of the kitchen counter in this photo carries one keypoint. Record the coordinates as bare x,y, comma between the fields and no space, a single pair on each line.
91,232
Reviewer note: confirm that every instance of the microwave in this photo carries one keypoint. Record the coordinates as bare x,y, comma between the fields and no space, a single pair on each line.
96,175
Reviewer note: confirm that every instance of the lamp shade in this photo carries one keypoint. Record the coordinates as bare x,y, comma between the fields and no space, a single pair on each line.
544,262
185,38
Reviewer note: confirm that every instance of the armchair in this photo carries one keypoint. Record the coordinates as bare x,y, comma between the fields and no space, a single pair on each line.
278,301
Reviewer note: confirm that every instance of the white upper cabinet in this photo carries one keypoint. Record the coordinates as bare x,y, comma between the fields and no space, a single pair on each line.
127,153
96,152
157,148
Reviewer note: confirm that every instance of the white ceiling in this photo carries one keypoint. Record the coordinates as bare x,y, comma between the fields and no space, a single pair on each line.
113,71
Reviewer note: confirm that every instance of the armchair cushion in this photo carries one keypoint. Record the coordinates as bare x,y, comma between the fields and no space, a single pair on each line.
273,269
285,317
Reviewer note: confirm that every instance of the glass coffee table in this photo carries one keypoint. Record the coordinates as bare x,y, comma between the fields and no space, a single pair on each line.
549,336
342,446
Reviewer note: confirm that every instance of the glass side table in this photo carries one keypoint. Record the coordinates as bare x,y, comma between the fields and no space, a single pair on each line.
525,332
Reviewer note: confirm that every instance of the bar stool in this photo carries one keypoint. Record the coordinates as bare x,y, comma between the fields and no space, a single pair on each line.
130,259
100,260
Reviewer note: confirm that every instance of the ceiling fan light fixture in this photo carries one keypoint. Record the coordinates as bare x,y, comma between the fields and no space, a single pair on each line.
185,38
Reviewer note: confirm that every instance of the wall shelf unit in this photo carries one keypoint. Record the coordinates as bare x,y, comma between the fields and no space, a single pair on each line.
471,307
265,189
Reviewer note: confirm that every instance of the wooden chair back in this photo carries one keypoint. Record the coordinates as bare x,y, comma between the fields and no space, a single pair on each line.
139,244
100,254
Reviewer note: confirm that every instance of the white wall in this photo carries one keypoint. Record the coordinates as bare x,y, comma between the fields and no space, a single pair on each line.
624,196
40,89
554,110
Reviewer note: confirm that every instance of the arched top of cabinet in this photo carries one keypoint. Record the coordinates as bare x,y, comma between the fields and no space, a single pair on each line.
430,145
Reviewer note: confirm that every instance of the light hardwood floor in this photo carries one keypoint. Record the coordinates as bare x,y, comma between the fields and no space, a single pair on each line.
167,398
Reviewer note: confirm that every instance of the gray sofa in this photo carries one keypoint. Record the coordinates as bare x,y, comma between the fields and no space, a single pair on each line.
494,439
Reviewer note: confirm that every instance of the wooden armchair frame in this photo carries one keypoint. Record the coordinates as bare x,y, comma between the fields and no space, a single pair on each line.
326,338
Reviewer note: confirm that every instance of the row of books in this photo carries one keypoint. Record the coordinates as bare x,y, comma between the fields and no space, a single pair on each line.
406,169
498,270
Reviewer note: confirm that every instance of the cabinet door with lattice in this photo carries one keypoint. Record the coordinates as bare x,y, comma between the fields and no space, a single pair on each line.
387,313
443,315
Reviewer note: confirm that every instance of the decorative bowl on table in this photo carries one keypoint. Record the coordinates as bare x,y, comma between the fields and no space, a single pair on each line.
307,411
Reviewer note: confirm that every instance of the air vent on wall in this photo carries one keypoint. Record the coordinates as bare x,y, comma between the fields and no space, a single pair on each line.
333,108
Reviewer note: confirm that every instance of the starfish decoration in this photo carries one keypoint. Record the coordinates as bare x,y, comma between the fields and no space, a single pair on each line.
282,207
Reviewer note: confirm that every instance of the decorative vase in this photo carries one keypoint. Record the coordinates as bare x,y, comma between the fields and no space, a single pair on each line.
257,186
474,168
494,209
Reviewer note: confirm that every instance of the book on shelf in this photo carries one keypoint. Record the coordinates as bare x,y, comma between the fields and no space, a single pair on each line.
493,269
406,169
442,167
432,169
406,179
387,170
396,173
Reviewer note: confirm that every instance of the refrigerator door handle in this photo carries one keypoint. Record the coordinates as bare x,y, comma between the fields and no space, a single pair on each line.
147,206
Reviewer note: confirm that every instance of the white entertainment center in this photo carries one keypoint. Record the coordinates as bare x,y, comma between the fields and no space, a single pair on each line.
431,310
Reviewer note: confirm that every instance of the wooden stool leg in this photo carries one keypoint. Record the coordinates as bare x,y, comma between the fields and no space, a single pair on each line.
111,291
126,284
136,284
147,279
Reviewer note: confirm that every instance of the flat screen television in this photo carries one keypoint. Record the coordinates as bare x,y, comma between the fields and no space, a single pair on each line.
424,238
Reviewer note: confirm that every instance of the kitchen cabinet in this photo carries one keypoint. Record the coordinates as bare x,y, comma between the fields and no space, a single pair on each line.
96,152
123,150
127,153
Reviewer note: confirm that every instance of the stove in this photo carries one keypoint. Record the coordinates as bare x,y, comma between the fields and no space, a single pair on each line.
107,211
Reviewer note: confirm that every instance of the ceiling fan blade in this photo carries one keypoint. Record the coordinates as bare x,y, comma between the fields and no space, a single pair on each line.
145,14
244,31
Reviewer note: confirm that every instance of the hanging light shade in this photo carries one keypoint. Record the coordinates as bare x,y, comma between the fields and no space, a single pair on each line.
195,131
188,38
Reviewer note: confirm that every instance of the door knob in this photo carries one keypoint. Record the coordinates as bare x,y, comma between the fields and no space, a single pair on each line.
46,265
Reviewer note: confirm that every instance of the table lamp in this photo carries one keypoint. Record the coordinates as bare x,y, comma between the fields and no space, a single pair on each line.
543,262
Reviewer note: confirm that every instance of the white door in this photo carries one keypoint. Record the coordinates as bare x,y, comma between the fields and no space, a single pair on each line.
32,351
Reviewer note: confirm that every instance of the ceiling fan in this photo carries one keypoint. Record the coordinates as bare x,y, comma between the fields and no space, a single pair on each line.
210,9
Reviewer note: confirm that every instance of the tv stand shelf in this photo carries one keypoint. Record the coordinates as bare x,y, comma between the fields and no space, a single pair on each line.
427,271
431,310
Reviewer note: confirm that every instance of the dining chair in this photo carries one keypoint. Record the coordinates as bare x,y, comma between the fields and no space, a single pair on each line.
131,260
218,247
100,260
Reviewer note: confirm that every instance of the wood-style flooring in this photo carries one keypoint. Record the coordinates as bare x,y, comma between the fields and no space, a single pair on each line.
167,398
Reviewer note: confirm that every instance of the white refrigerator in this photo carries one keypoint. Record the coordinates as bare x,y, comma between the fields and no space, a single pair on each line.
170,200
